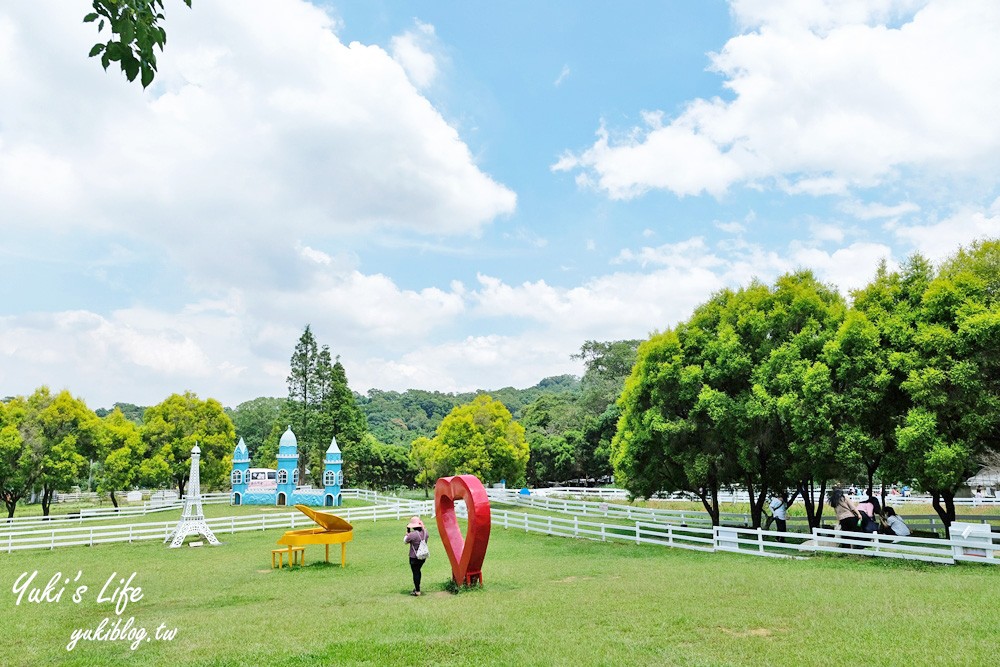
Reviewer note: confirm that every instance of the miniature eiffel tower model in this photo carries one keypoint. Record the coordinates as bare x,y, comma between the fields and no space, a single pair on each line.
192,518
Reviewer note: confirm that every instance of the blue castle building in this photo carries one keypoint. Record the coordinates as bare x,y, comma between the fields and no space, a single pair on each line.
266,486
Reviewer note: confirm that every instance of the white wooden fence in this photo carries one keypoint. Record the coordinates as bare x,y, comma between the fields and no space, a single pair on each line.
922,522
642,530
33,538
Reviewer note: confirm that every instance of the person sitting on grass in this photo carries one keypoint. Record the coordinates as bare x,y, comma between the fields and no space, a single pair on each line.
869,508
896,525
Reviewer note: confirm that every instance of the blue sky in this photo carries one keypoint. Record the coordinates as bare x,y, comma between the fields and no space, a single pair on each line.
458,195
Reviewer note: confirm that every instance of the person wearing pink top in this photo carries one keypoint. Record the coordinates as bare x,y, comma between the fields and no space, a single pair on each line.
415,534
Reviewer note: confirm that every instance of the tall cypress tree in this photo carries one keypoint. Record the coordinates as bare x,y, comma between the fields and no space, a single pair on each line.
346,419
302,395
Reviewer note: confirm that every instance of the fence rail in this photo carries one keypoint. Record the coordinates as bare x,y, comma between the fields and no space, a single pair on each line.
577,524
923,522
83,536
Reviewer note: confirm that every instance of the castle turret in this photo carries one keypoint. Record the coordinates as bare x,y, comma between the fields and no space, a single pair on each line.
241,472
333,477
288,467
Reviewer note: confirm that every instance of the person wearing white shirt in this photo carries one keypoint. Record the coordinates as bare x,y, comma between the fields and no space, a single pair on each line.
896,525
779,510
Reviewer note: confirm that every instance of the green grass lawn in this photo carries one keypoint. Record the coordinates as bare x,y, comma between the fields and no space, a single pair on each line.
546,601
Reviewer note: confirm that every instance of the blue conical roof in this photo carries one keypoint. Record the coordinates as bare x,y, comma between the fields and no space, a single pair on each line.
288,446
333,451
241,455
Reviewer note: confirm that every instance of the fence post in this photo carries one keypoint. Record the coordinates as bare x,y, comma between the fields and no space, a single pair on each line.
550,526
232,525
576,526
91,537
760,538
526,522
603,536
637,540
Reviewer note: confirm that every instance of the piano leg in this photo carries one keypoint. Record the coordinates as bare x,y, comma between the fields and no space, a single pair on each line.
343,554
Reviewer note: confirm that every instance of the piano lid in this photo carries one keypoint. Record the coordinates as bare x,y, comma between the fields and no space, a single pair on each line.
329,522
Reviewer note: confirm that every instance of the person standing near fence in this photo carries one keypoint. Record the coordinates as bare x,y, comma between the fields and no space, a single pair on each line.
779,511
845,510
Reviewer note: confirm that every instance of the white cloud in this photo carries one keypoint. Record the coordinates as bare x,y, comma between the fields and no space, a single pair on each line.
563,75
414,51
875,210
262,130
847,268
826,233
731,227
825,97
937,240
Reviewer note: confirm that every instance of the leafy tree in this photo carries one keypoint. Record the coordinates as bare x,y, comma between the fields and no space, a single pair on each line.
481,438
557,448
668,434
892,303
69,434
552,458
339,405
955,380
123,464
304,381
702,407
428,462
19,459
375,465
321,405
131,411
135,33
256,420
172,428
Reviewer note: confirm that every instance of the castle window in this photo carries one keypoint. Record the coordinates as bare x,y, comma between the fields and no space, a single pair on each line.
237,477
340,479
329,478
295,477
282,477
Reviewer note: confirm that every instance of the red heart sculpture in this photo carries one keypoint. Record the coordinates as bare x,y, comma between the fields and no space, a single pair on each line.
466,554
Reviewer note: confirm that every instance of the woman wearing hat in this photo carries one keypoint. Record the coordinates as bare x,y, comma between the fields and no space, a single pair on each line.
415,534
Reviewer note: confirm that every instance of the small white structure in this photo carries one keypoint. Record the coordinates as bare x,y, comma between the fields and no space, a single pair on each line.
193,517
976,541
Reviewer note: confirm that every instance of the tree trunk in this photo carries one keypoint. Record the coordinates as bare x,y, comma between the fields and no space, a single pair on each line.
114,501
46,500
756,504
181,483
947,513
11,503
883,497
814,509
710,500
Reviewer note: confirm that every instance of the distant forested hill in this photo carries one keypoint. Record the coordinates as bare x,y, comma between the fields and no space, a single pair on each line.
399,418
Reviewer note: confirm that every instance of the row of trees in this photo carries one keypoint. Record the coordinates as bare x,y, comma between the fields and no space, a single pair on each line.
50,443
787,386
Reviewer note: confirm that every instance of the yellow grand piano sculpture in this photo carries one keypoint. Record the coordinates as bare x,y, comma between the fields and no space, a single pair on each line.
332,530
